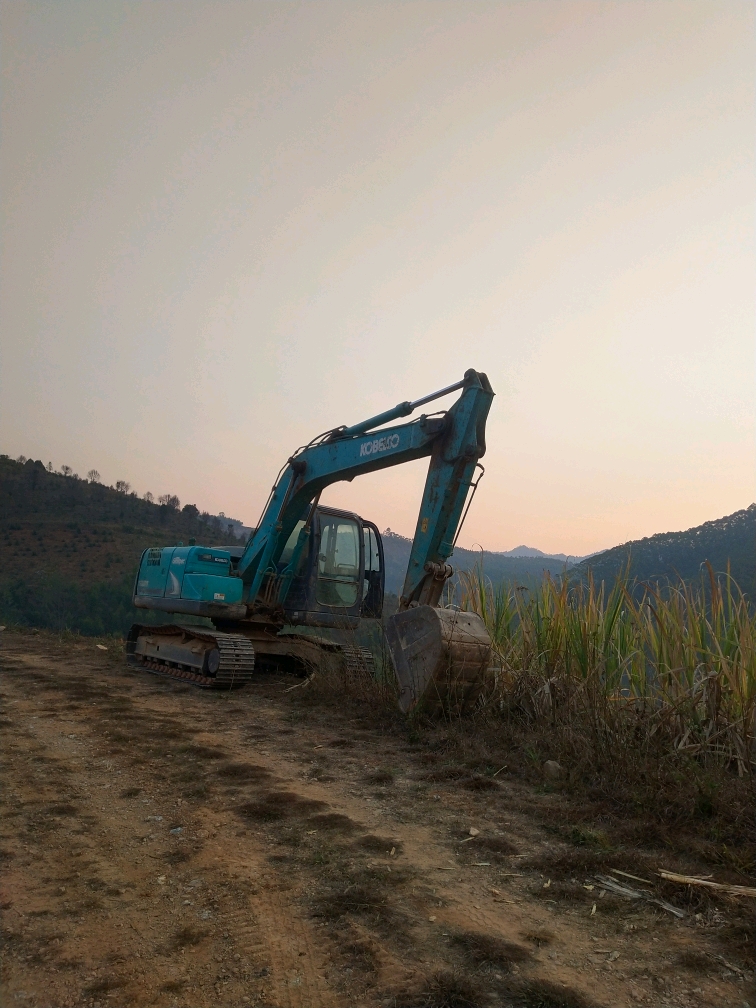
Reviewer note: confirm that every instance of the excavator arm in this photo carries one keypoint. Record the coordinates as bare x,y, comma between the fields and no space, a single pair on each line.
454,440
454,458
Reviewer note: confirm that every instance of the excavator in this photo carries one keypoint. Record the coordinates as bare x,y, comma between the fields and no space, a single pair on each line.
311,566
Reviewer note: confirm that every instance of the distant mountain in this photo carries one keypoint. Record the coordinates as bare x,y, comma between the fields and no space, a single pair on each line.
530,551
672,555
527,570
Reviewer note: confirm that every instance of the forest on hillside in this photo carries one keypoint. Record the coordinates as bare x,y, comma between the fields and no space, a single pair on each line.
727,544
70,548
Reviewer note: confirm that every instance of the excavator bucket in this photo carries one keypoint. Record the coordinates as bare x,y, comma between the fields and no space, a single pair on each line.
440,656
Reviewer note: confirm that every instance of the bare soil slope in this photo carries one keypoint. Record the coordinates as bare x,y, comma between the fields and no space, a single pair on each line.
164,846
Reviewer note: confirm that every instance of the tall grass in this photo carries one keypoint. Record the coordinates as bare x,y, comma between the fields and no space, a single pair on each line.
627,670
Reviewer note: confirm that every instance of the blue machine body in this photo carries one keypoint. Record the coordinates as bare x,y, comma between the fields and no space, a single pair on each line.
193,573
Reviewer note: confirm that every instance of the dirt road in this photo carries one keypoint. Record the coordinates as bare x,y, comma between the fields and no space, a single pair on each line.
171,847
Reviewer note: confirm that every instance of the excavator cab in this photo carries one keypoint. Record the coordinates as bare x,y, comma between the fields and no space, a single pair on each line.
338,577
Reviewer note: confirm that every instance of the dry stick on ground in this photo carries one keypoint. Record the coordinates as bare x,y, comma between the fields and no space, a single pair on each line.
622,890
635,878
732,890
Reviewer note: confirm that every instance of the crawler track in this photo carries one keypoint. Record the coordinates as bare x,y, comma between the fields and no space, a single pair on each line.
358,660
236,659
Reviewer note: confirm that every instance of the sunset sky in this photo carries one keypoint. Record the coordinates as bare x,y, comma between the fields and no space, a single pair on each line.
229,226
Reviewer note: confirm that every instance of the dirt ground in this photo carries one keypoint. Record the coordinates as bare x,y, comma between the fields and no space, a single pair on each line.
172,847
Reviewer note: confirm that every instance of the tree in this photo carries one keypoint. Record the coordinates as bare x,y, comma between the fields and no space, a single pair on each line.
21,459
149,498
93,476
190,510
49,467
169,501
221,514
122,486
66,470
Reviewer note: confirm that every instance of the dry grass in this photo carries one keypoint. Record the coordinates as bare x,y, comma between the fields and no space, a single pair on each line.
360,953
188,937
279,805
445,773
365,891
538,936
372,698
357,899
542,994
696,962
458,989
244,773
104,984
477,782
446,989
176,857
333,821
380,777
495,845
62,810
584,862
485,948
201,752
738,935
379,844
173,986
679,662
646,697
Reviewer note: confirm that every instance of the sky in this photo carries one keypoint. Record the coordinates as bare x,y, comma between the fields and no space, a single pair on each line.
229,226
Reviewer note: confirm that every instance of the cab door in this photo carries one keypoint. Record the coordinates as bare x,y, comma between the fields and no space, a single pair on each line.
373,581
338,582
340,578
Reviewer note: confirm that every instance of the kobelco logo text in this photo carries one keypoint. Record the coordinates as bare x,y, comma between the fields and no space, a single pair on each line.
379,445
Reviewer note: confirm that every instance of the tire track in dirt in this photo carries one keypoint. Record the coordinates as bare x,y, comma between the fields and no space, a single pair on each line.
266,929
296,964
256,898
279,937
473,899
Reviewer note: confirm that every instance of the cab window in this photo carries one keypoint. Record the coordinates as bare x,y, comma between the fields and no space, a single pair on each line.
372,557
372,586
338,562
291,542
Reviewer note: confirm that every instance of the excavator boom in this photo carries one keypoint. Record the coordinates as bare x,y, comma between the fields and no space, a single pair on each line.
455,441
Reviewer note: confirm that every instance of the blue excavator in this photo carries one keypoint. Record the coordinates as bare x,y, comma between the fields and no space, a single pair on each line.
307,565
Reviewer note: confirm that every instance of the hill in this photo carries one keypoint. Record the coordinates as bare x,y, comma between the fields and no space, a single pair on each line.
672,555
531,551
69,549
497,566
